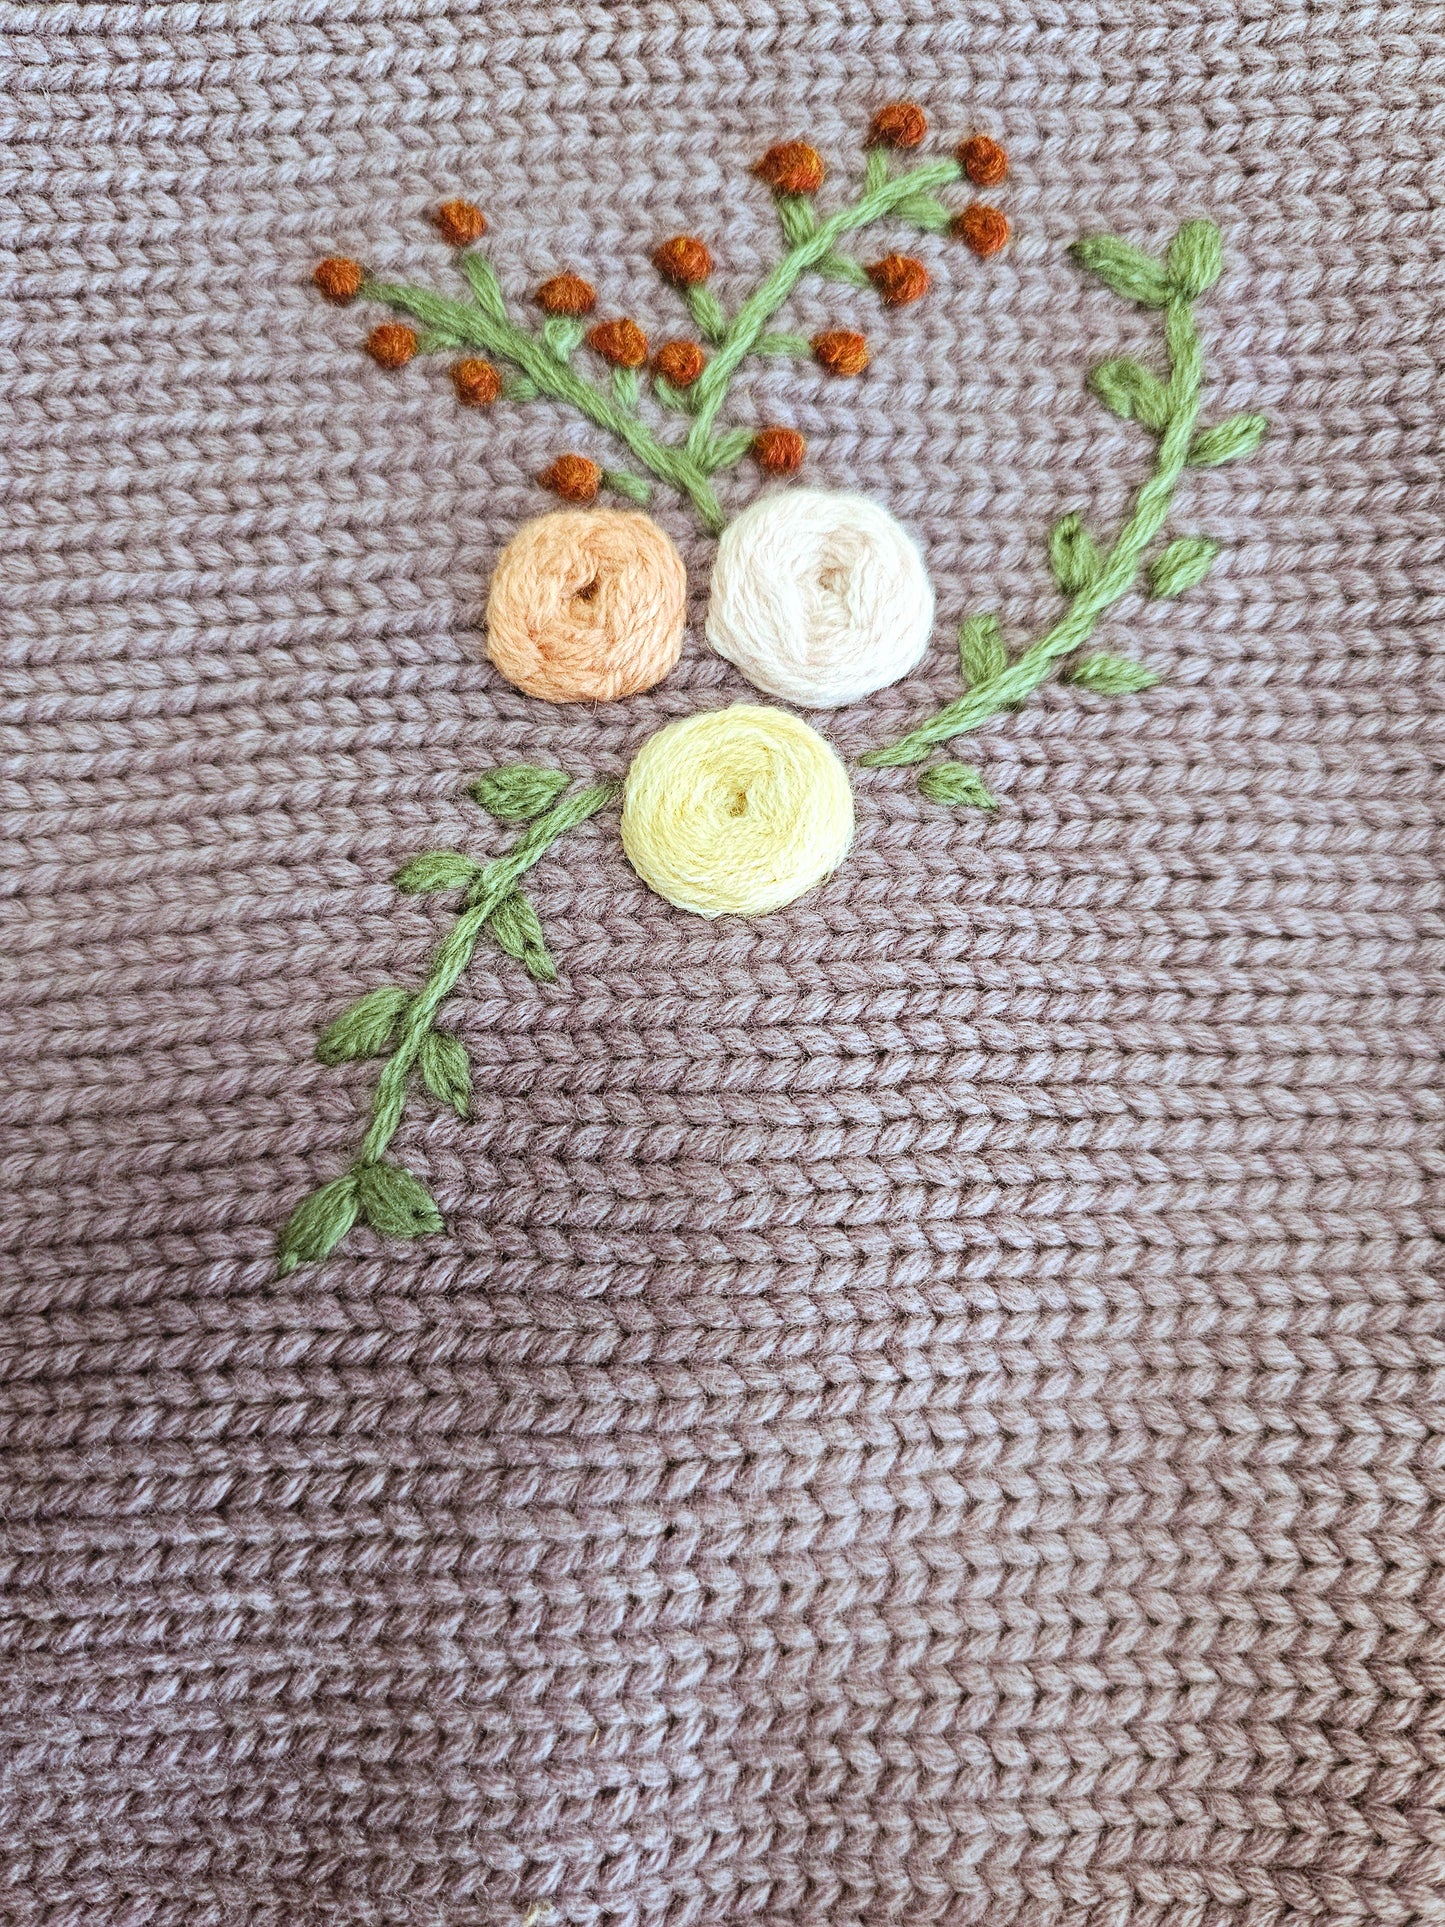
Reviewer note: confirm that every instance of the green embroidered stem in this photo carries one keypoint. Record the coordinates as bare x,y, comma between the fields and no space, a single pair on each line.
1097,581
389,1021
463,325
543,359
751,320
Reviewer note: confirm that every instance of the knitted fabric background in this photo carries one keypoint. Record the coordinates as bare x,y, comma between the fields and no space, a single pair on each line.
928,1406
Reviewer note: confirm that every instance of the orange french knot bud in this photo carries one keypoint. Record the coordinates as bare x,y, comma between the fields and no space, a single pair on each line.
392,344
567,294
477,383
984,228
339,279
779,451
684,259
680,362
902,123
622,342
792,167
572,477
899,279
459,223
983,160
841,352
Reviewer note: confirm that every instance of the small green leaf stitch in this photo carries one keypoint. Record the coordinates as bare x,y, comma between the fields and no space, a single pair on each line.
519,791
1125,269
726,449
626,387
1093,579
563,334
445,1070
519,388
925,211
876,173
842,267
1196,258
981,649
706,311
365,1029
318,1224
1183,564
436,870
784,345
957,783
796,218
486,288
631,486
517,930
1111,675
395,1203
1074,555
1131,391
1230,441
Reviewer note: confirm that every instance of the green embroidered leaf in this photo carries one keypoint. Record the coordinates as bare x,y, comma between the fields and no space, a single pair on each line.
365,1028
981,649
621,483
1184,563
706,311
395,1203
520,388
445,1070
957,783
784,345
432,341
1126,269
876,175
562,334
436,870
518,931
1230,441
684,400
1196,257
485,287
625,387
519,790
723,450
796,218
842,267
1074,555
1111,675
1131,391
318,1224
925,211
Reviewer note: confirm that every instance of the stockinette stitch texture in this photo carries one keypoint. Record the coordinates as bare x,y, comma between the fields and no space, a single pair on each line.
925,1410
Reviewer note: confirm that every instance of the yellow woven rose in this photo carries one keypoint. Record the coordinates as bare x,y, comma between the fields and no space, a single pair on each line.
736,811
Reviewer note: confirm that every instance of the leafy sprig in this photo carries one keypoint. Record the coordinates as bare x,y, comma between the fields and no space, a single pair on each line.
1094,577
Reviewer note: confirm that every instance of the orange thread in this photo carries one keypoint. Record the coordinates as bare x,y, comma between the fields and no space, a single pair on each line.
792,167
587,606
572,477
459,223
339,279
477,383
621,342
779,451
680,362
841,352
684,259
899,279
391,345
567,294
902,123
984,161
984,228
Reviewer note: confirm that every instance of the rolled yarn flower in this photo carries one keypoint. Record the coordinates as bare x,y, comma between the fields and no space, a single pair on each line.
819,597
587,605
736,811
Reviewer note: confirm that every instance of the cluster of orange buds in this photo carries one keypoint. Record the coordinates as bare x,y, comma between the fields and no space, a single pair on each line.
779,451
621,342
901,124
680,362
339,279
567,294
792,167
684,260
899,279
391,344
477,383
840,351
460,223
572,477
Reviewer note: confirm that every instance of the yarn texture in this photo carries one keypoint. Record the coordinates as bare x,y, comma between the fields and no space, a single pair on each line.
820,597
587,605
737,810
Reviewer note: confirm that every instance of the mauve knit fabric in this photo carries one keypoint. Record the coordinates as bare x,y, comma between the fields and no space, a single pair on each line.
930,1406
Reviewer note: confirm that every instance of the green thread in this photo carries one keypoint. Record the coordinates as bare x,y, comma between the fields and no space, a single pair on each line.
391,1021
1095,579
543,360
